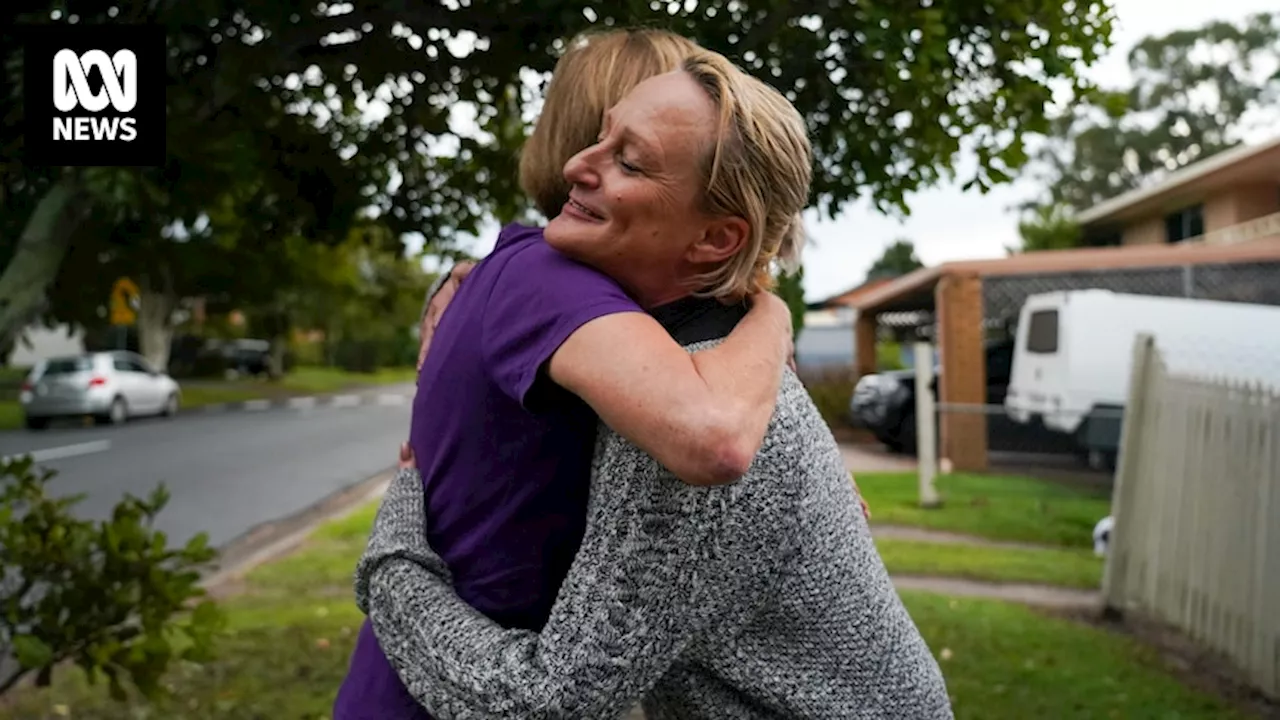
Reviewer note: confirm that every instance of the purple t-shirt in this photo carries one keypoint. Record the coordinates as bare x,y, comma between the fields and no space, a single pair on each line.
505,453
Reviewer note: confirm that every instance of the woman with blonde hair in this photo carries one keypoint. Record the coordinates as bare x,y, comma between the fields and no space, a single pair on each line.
537,349
760,599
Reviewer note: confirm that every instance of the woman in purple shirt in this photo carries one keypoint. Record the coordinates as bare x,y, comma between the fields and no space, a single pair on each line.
536,348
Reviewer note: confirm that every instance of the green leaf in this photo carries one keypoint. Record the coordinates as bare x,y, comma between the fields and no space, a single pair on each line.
31,652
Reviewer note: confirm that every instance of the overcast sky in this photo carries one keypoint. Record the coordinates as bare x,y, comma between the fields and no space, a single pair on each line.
948,224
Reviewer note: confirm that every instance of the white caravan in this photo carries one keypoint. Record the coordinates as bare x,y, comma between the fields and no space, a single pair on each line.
1074,352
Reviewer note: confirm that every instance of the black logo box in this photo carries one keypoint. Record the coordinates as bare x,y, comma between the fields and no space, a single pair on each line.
39,45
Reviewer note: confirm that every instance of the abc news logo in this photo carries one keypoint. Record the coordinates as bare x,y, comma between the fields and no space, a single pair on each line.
94,95
71,90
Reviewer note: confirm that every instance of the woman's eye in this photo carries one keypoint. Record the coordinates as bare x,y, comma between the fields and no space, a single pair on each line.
628,167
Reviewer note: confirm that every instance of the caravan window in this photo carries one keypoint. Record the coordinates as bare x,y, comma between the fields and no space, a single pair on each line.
1042,332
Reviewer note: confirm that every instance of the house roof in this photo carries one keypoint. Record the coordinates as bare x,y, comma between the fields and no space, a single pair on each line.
1191,184
915,291
848,297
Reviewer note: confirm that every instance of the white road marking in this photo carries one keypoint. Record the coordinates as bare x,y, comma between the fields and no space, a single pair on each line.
257,405
302,403
65,451
391,400
339,401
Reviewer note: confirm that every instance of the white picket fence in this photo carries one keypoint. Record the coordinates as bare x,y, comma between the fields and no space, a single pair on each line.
1196,542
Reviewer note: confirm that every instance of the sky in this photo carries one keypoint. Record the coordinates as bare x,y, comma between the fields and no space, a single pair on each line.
947,223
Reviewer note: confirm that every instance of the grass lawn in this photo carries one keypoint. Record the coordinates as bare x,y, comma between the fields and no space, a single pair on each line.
294,625
990,506
300,381
1065,567
199,393
1005,661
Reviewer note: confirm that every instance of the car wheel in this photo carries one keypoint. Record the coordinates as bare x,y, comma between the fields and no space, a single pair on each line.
118,413
171,405
36,423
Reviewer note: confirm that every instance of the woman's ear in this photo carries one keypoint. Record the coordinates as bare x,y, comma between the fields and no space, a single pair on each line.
723,238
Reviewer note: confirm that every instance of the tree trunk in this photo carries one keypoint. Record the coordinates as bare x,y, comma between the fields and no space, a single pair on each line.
275,360
278,328
155,322
25,284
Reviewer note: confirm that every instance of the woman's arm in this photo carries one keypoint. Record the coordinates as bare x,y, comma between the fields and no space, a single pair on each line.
642,588
439,295
702,415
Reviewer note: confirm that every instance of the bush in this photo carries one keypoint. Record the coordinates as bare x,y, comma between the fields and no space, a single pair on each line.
110,596
889,356
304,352
831,389
358,356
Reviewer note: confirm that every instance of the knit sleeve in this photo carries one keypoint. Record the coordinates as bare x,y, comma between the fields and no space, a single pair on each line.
661,563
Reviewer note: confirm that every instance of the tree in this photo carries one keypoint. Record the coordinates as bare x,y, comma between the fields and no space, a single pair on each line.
1048,227
898,259
363,294
110,596
790,288
1193,93
888,90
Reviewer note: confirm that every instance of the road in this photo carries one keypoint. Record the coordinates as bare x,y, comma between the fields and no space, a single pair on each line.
227,472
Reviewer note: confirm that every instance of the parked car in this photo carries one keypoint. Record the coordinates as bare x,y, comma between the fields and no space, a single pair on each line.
1074,357
111,387
885,403
247,356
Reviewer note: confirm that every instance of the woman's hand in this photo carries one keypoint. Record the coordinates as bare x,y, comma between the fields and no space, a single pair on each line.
435,308
769,303
407,461
866,510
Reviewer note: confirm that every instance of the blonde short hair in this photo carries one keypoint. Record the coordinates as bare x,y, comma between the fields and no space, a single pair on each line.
592,76
760,169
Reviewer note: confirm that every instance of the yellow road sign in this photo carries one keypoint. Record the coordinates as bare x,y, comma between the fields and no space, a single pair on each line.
124,302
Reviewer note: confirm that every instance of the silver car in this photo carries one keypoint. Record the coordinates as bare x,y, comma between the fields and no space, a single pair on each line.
109,386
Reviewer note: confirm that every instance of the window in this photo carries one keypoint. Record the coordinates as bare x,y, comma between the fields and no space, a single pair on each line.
1042,332
140,364
67,366
1184,224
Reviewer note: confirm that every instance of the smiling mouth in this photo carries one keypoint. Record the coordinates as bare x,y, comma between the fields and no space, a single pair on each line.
585,210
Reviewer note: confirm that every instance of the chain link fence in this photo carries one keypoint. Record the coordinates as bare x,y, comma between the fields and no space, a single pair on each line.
1259,283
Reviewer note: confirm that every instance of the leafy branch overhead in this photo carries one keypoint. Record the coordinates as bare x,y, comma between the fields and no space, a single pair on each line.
285,118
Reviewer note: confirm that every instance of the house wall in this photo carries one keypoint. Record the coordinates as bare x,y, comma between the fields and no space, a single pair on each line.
1237,205
1241,204
1144,232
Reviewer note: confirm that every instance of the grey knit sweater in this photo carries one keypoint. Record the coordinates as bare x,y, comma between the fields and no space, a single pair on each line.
761,599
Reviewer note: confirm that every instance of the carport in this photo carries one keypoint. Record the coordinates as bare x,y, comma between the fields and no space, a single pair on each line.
961,304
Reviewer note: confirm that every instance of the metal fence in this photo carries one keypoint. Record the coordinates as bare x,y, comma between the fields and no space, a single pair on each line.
1004,296
1256,282
1196,541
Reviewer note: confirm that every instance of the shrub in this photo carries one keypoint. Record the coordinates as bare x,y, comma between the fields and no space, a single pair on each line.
831,389
110,596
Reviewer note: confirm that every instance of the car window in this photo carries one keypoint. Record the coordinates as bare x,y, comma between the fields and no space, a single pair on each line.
1042,332
66,366
126,363
140,364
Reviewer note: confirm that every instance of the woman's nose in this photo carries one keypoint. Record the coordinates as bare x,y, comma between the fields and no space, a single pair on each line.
580,170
